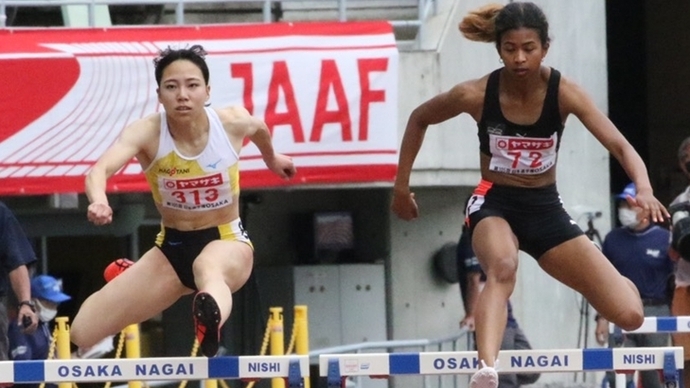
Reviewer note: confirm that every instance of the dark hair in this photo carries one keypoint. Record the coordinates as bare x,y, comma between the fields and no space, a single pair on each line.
490,22
195,54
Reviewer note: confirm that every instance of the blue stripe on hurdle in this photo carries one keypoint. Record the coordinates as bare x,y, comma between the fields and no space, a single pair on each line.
664,324
29,371
403,363
597,359
224,367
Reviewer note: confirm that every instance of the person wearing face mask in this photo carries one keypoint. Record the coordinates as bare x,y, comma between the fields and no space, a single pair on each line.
638,249
46,293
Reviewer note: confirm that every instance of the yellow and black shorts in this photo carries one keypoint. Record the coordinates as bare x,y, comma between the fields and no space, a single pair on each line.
181,247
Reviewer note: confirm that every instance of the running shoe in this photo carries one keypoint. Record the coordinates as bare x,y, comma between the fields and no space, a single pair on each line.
486,377
207,323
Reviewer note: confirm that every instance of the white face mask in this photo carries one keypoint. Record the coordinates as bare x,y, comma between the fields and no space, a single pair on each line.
628,217
45,314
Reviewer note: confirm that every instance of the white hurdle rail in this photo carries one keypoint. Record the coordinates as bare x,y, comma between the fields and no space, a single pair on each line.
292,367
679,324
336,367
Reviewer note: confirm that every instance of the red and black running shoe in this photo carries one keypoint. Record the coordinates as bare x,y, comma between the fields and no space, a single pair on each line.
207,323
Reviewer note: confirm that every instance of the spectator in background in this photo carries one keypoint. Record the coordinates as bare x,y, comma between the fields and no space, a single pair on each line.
16,254
680,304
472,279
639,251
46,293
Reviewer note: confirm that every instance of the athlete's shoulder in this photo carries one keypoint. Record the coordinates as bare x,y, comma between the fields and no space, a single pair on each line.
467,96
232,114
472,88
572,97
567,87
151,122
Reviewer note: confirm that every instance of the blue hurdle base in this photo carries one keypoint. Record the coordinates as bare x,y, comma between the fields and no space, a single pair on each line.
294,379
334,379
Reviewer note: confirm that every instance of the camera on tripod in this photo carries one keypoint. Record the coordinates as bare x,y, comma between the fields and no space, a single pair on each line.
680,233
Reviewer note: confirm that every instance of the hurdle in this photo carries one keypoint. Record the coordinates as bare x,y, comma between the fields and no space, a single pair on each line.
248,368
650,325
337,367
679,324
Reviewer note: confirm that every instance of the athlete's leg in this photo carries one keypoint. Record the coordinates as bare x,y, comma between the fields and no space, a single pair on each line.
496,248
137,294
508,380
221,269
578,264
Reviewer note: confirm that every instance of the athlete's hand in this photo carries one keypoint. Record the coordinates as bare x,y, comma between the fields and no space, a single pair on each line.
467,322
652,209
404,205
282,165
99,213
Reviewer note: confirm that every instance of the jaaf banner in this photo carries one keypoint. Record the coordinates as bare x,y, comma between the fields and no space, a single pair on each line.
327,91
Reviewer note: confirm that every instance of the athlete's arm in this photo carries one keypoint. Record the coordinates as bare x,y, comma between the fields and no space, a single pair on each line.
461,98
239,124
436,110
574,99
128,144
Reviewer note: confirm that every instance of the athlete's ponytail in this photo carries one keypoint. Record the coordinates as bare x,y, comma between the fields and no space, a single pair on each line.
480,25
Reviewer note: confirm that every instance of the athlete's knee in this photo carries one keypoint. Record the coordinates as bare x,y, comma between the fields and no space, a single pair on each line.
205,268
502,270
222,268
79,335
631,318
86,325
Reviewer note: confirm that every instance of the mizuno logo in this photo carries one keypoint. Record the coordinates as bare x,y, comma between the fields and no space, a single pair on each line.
213,165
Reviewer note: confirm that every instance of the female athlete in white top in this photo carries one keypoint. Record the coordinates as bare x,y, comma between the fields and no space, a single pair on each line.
202,246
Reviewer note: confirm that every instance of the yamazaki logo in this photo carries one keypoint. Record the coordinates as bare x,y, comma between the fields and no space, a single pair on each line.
331,87
524,144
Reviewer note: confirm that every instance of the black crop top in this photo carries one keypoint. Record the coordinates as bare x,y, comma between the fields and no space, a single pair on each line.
515,148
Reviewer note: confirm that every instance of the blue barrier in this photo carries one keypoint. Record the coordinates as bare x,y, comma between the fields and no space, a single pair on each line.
510,361
143,369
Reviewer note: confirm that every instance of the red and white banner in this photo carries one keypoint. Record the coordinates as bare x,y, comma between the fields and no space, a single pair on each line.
328,92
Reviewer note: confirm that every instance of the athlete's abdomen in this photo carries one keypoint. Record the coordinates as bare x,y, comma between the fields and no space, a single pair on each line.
545,178
191,220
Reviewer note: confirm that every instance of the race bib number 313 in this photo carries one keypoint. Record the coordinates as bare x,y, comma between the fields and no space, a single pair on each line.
197,194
